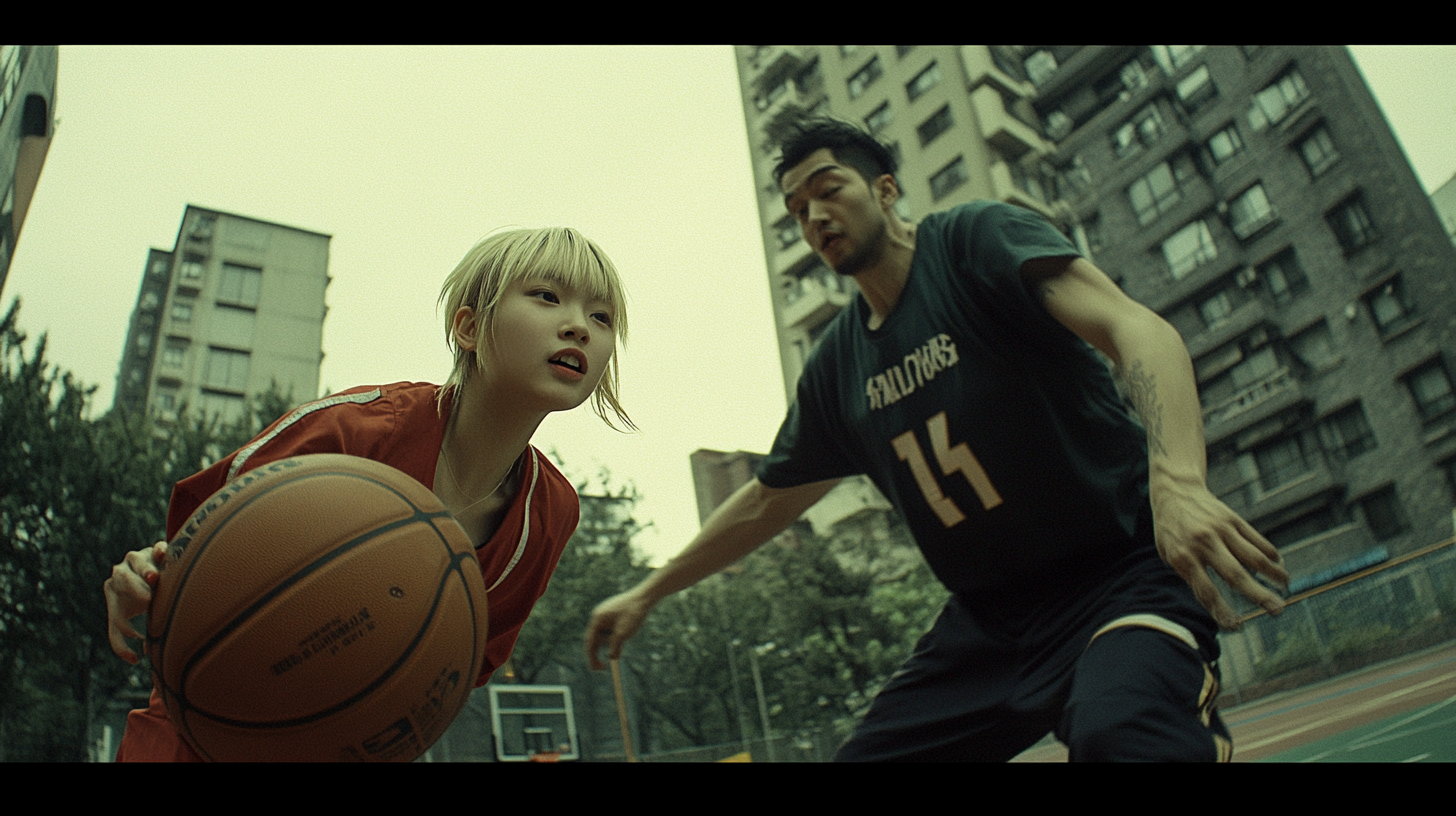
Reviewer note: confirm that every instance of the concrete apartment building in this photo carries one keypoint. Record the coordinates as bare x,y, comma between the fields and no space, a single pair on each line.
1254,196
27,124
236,305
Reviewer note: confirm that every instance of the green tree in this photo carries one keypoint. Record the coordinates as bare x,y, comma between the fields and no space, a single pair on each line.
75,496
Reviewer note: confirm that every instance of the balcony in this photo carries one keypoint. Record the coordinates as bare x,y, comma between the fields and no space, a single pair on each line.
1259,401
1011,136
812,299
776,60
791,257
981,69
1248,315
1252,500
1005,188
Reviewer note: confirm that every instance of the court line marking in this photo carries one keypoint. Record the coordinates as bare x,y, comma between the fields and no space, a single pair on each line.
1415,758
1370,739
1231,722
1347,713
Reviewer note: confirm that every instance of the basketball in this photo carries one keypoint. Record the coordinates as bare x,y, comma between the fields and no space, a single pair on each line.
318,608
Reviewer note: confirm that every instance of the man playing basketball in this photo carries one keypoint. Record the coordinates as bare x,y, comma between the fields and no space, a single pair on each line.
965,384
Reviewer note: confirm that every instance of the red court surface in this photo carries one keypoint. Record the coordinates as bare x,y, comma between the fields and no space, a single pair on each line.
1403,710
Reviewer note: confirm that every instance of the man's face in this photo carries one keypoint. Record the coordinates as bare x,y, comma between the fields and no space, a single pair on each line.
838,211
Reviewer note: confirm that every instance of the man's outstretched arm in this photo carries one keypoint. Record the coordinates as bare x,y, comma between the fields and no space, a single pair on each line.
1195,531
751,516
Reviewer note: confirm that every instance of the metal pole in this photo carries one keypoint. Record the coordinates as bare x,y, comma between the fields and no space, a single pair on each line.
762,706
622,711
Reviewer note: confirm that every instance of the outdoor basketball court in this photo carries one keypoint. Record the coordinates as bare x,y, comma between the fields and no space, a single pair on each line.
1400,711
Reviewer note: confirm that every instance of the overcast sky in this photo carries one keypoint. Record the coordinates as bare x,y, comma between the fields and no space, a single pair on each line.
408,156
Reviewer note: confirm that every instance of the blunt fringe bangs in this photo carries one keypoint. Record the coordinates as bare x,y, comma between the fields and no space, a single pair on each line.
559,254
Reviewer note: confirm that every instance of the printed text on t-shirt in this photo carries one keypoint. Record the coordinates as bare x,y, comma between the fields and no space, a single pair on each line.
922,364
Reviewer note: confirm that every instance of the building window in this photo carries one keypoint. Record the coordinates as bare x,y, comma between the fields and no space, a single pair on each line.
1318,151
190,270
1383,514
880,118
1196,90
1189,247
938,123
1430,387
1390,307
864,77
181,312
764,100
1040,66
1222,146
923,81
1351,223
1251,212
949,178
1282,276
1157,192
1142,130
1276,101
1347,432
226,369
1324,519
1281,462
239,285
1215,310
787,230
228,408
1173,57
174,353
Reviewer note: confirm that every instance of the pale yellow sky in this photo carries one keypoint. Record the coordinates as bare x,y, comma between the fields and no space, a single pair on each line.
407,156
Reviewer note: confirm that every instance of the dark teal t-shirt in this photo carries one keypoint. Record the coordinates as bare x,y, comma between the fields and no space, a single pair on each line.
994,430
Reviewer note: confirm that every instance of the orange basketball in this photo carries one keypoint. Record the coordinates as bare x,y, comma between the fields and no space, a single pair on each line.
319,608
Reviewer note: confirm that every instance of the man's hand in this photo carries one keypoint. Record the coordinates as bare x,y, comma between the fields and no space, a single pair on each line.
129,594
1195,531
613,623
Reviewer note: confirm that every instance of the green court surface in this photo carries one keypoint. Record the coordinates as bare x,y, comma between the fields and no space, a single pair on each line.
1427,734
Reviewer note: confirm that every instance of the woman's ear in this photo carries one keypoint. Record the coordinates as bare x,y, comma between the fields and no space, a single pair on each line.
464,329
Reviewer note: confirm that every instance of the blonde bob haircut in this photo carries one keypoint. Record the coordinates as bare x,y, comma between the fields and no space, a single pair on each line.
558,254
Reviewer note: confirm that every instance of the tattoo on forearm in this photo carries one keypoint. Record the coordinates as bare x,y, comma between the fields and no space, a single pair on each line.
1142,391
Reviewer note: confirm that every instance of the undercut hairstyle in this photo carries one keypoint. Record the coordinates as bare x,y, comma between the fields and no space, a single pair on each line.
558,254
850,145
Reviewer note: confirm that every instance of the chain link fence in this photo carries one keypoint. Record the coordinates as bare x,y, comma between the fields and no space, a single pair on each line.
1375,614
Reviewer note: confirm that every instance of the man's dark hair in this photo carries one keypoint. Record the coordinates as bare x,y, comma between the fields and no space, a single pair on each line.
849,144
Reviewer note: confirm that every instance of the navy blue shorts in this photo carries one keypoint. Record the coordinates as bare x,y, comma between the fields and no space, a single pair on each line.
1126,670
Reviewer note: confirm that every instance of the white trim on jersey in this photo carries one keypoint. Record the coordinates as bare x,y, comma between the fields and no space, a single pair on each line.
297,414
525,521
1150,621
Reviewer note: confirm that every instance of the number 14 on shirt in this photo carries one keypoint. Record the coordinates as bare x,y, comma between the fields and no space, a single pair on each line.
950,459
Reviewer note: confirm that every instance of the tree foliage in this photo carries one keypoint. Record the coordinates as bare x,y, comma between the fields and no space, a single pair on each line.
76,495
827,620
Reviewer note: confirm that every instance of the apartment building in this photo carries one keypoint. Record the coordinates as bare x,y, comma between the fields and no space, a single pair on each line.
235,306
